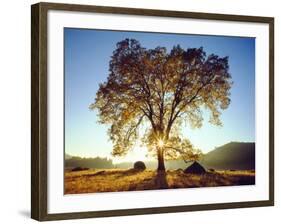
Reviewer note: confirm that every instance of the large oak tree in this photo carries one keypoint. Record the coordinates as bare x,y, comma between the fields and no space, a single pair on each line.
159,92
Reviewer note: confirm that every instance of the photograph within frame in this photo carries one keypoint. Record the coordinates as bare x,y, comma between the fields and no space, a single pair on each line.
90,53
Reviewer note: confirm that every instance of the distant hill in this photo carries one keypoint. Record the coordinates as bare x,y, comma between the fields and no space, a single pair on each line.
96,162
67,156
234,155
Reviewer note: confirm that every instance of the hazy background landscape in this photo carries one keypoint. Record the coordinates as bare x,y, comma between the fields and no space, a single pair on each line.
232,156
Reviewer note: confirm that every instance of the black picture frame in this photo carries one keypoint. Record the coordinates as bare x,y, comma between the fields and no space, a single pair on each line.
39,106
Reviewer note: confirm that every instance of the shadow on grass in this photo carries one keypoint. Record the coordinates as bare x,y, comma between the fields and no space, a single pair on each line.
117,173
160,180
129,172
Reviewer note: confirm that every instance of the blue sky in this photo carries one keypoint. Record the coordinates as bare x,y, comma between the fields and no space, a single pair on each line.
87,55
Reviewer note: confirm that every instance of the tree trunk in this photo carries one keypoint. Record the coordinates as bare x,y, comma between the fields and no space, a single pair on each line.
161,164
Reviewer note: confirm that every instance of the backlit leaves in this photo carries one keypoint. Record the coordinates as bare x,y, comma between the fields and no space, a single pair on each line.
159,91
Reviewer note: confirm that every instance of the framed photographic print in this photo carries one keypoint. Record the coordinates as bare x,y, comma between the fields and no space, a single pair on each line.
139,111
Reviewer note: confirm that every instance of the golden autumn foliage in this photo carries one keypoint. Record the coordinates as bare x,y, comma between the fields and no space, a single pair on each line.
159,91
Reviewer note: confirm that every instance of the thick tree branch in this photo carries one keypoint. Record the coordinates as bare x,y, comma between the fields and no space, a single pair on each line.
134,128
181,152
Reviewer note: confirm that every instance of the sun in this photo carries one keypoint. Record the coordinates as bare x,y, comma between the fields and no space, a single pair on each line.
160,143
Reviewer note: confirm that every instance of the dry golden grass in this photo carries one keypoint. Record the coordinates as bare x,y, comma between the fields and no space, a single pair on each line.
112,180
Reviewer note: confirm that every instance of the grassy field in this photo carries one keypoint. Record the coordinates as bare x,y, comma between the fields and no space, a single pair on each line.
112,180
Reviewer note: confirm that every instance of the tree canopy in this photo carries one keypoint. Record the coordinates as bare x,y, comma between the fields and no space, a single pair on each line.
159,92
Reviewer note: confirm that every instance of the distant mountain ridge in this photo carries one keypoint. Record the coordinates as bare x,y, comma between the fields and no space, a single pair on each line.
67,156
234,155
